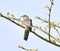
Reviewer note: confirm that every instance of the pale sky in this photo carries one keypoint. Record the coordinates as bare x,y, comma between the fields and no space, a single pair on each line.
11,35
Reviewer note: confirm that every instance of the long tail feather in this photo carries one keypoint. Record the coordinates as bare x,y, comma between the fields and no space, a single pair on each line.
26,35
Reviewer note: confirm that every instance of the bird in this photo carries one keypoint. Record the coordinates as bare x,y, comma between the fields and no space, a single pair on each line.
28,26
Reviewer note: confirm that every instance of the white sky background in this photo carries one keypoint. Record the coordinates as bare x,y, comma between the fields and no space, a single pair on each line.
11,35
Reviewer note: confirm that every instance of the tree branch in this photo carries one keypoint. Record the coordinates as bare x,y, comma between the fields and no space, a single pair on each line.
31,31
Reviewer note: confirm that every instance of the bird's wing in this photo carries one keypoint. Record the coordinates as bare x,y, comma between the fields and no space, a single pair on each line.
31,22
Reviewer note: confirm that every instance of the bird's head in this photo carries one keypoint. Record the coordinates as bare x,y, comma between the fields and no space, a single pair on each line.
25,17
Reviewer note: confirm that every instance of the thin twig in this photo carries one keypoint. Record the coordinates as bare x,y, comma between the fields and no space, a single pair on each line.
22,47
49,18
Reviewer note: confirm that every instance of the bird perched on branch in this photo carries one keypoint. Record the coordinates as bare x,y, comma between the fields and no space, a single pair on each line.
28,26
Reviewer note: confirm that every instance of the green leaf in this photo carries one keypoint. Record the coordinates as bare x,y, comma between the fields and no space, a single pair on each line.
9,14
58,23
19,46
53,41
35,49
51,24
19,19
46,7
37,27
37,17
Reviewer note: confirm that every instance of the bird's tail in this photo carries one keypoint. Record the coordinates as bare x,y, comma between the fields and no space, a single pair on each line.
26,35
